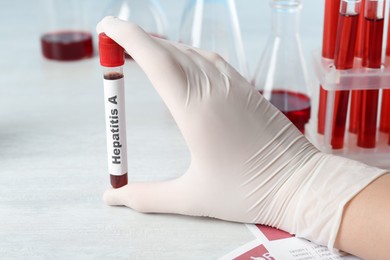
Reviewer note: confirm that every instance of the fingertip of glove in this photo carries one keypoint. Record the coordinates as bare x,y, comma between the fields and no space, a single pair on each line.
100,26
110,24
108,20
123,32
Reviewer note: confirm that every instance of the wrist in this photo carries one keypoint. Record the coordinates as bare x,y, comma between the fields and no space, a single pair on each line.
331,182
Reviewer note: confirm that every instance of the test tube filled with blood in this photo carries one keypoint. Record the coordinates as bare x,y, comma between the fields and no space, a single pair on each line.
344,57
112,61
355,105
332,9
384,125
374,19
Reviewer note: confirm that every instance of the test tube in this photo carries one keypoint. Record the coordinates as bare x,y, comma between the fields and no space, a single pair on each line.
112,61
385,109
332,10
355,106
359,45
384,125
374,19
344,56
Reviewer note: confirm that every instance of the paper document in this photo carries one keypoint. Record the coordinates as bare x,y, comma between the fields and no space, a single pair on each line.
274,244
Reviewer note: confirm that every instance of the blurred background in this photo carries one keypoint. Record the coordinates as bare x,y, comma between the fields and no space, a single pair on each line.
21,21
53,161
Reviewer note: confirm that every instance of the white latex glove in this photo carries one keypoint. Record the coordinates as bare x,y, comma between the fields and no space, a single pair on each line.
248,162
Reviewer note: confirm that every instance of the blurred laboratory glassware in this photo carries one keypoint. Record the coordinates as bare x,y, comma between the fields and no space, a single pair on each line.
148,14
281,76
213,25
66,36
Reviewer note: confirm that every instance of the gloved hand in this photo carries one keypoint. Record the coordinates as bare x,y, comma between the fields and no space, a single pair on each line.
248,162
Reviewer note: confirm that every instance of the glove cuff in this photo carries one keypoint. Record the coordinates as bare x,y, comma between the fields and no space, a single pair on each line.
331,182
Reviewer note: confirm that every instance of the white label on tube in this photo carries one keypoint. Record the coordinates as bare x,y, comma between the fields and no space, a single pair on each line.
114,102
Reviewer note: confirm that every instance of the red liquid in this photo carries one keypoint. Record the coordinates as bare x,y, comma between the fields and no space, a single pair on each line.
339,118
344,55
367,130
355,111
385,109
67,45
113,76
331,16
384,125
360,32
369,98
345,41
388,42
373,43
118,181
322,110
295,106
355,108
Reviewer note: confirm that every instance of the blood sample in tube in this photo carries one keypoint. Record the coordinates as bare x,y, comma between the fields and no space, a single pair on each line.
355,106
374,19
384,125
112,61
344,56
331,16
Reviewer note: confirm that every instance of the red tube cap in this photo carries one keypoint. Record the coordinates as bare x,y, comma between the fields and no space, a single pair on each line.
111,53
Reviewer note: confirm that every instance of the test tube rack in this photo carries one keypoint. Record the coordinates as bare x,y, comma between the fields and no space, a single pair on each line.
333,80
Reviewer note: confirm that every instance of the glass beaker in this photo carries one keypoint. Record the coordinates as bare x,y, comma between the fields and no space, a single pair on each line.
66,37
213,25
281,76
148,14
